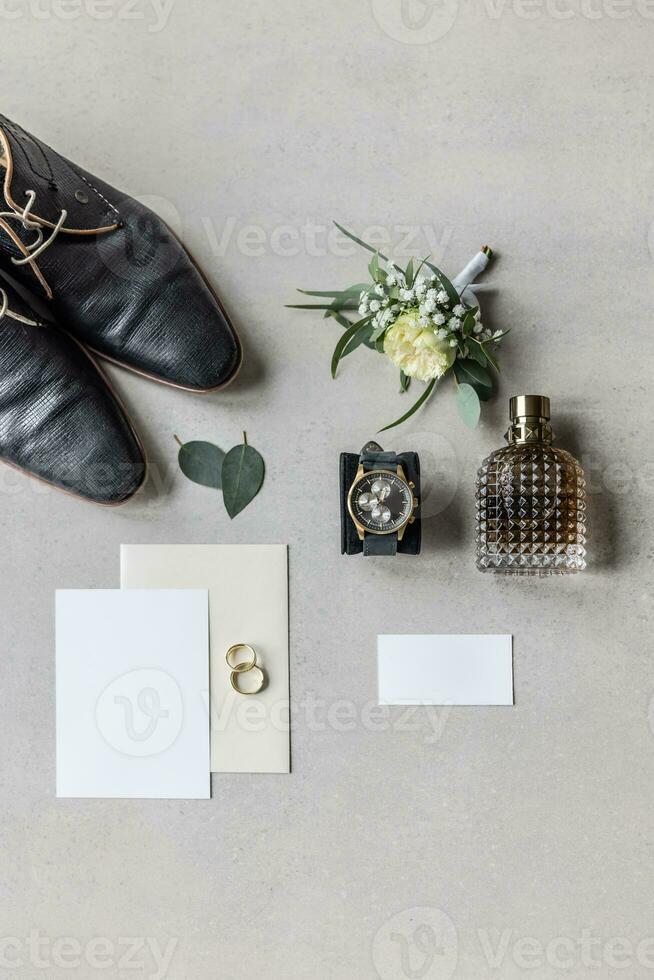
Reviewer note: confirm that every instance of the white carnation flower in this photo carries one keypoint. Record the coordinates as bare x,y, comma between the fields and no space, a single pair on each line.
415,350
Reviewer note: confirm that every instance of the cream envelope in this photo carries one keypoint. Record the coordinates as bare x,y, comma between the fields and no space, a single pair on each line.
248,603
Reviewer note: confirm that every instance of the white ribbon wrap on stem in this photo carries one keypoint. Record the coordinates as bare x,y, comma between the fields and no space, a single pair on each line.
465,278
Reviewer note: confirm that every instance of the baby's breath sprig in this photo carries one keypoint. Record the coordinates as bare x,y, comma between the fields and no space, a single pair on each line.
421,322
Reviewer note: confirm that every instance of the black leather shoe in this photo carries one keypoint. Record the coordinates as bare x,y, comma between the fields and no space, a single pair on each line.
115,272
59,420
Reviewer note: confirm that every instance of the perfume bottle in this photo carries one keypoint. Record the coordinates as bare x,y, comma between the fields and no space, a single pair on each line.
531,510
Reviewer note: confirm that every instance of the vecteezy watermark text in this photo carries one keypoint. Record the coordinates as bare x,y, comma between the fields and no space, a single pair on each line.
426,21
321,239
155,14
43,952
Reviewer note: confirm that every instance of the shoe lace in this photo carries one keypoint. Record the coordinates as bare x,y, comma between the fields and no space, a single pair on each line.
39,245
5,311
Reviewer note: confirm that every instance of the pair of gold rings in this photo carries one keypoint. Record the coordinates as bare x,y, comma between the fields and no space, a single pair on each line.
239,667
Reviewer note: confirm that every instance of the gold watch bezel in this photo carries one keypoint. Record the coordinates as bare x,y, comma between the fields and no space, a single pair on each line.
361,530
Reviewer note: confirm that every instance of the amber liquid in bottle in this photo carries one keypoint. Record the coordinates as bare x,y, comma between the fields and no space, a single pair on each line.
530,496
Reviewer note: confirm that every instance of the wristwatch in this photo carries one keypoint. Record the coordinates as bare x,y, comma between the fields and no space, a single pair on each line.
381,500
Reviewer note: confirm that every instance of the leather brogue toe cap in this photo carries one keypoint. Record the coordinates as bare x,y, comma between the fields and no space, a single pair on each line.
59,420
118,276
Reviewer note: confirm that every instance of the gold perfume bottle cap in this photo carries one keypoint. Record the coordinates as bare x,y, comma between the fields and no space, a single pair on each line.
529,406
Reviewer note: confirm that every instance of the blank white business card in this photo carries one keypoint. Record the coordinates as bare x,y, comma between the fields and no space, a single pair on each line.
445,669
132,691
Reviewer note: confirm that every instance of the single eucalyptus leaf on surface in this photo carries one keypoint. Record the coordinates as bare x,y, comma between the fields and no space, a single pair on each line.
414,408
467,402
470,372
201,462
243,471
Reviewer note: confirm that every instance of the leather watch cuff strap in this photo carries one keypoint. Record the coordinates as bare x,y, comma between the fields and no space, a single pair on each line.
379,461
380,544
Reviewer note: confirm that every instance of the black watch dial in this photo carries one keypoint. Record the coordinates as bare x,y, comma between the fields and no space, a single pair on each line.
381,502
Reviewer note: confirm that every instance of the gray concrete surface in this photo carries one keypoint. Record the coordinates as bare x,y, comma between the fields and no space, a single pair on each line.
522,837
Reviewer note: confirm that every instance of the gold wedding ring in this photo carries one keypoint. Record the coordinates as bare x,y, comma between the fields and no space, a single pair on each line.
239,667
235,674
242,665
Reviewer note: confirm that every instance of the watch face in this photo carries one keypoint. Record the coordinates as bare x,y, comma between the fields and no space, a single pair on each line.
381,502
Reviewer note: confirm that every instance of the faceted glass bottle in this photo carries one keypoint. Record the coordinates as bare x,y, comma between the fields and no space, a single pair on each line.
531,510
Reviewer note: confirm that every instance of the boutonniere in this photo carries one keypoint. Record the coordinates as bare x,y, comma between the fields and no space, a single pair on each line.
427,325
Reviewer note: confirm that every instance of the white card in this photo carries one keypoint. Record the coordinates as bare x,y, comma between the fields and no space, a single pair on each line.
132,691
248,603
445,669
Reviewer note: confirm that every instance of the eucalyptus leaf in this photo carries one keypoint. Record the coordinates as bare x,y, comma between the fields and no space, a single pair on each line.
477,352
344,339
445,284
354,290
360,241
467,402
408,273
346,304
468,322
420,265
491,358
414,408
373,267
343,320
378,332
201,462
472,373
362,336
243,471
